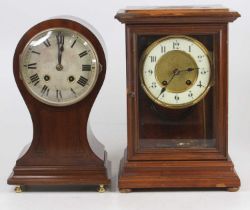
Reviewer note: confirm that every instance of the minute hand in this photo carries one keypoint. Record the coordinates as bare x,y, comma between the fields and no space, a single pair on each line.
188,69
60,43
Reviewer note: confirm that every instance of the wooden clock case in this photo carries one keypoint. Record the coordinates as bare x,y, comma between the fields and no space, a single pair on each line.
62,151
205,164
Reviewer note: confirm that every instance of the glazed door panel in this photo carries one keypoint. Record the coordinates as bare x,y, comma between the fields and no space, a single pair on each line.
195,133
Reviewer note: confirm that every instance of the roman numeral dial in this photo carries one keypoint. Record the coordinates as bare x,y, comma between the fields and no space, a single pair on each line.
82,81
31,66
86,67
47,43
59,67
82,54
34,79
45,90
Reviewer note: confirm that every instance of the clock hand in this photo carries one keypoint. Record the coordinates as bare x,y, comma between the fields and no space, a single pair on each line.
188,69
162,91
166,83
60,44
175,73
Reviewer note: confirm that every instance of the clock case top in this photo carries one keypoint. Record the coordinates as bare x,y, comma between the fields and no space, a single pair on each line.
182,14
63,150
163,167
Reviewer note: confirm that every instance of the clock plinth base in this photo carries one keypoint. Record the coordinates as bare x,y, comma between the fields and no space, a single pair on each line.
177,174
36,176
63,175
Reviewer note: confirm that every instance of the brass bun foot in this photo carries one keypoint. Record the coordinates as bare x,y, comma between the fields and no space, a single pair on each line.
233,189
125,190
101,188
18,189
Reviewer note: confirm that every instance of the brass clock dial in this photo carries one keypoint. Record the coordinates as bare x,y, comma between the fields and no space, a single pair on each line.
175,71
59,66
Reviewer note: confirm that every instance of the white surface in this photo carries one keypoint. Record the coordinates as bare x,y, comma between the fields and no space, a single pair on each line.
108,117
168,97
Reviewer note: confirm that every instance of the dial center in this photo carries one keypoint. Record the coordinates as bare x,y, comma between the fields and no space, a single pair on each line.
173,69
59,67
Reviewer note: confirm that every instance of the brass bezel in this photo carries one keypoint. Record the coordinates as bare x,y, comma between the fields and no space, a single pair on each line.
174,106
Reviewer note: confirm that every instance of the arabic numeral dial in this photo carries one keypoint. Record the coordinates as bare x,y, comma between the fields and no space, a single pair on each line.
176,71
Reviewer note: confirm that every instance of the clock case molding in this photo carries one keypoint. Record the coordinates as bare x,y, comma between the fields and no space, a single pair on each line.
172,167
63,151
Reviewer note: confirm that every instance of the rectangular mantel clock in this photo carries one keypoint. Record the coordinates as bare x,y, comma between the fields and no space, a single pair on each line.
177,99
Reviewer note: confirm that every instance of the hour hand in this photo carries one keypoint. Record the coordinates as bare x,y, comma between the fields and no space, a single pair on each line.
60,43
165,83
162,91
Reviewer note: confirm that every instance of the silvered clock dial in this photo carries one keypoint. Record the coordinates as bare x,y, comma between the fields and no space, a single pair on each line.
59,66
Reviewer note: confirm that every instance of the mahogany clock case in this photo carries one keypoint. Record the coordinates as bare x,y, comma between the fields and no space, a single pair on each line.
61,152
177,148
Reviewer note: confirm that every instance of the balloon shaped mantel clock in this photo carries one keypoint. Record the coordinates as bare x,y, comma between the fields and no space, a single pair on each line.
59,68
177,98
